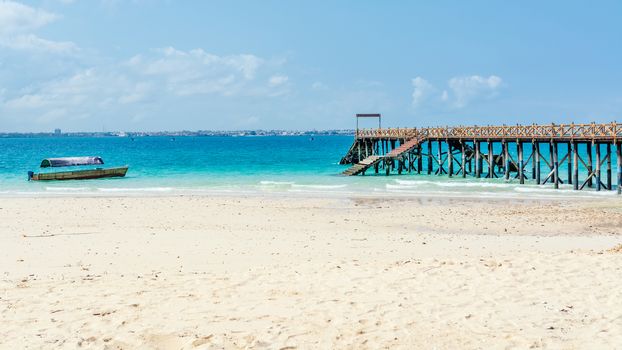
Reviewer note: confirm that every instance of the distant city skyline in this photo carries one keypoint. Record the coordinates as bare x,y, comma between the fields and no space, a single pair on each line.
147,65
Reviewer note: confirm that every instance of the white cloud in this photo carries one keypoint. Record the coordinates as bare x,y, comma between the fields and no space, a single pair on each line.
17,23
81,92
31,42
465,89
422,90
197,72
172,60
461,91
277,80
17,18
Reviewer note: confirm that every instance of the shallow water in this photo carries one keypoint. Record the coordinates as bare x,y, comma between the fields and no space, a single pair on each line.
251,165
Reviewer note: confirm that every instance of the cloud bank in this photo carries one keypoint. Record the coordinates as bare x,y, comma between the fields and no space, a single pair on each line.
143,81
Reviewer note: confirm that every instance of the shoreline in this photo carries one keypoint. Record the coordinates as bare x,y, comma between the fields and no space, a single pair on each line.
539,194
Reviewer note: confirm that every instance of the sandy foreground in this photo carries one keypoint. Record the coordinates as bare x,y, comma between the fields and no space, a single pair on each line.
286,273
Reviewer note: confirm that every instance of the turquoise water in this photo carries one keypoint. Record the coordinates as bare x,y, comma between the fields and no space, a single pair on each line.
251,165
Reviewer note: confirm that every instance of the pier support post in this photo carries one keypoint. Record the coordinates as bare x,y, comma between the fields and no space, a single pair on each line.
506,160
491,161
440,157
619,161
555,165
533,160
537,161
450,159
470,161
551,159
358,148
463,159
519,146
598,187
589,162
420,160
609,187
575,168
478,160
429,157
569,163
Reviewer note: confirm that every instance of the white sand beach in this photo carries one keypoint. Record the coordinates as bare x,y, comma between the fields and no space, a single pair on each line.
300,273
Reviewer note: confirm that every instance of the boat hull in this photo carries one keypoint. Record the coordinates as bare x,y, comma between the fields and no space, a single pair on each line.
80,174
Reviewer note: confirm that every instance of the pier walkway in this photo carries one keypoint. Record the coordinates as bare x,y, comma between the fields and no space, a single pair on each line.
524,152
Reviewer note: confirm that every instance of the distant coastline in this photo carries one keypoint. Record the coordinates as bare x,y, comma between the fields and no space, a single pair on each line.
233,133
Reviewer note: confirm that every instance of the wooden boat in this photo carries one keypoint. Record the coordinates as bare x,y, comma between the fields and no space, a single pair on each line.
81,174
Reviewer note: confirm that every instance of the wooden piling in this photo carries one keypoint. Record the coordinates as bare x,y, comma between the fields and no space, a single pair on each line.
463,159
619,161
533,160
575,168
519,146
555,165
429,157
478,160
471,163
491,163
598,187
440,158
450,159
506,160
569,163
537,150
551,159
420,160
609,186
589,163
358,148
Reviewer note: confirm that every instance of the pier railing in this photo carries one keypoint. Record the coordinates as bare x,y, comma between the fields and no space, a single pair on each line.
569,132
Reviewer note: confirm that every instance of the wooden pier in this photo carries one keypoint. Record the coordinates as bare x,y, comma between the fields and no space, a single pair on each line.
533,153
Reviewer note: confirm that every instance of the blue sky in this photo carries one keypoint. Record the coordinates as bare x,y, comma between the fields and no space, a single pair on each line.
172,65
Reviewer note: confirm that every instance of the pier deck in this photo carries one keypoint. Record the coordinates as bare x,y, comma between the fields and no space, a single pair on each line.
495,152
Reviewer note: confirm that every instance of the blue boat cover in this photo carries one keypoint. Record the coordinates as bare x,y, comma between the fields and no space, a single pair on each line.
71,161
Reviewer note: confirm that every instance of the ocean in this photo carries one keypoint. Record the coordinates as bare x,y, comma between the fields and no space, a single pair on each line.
280,165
